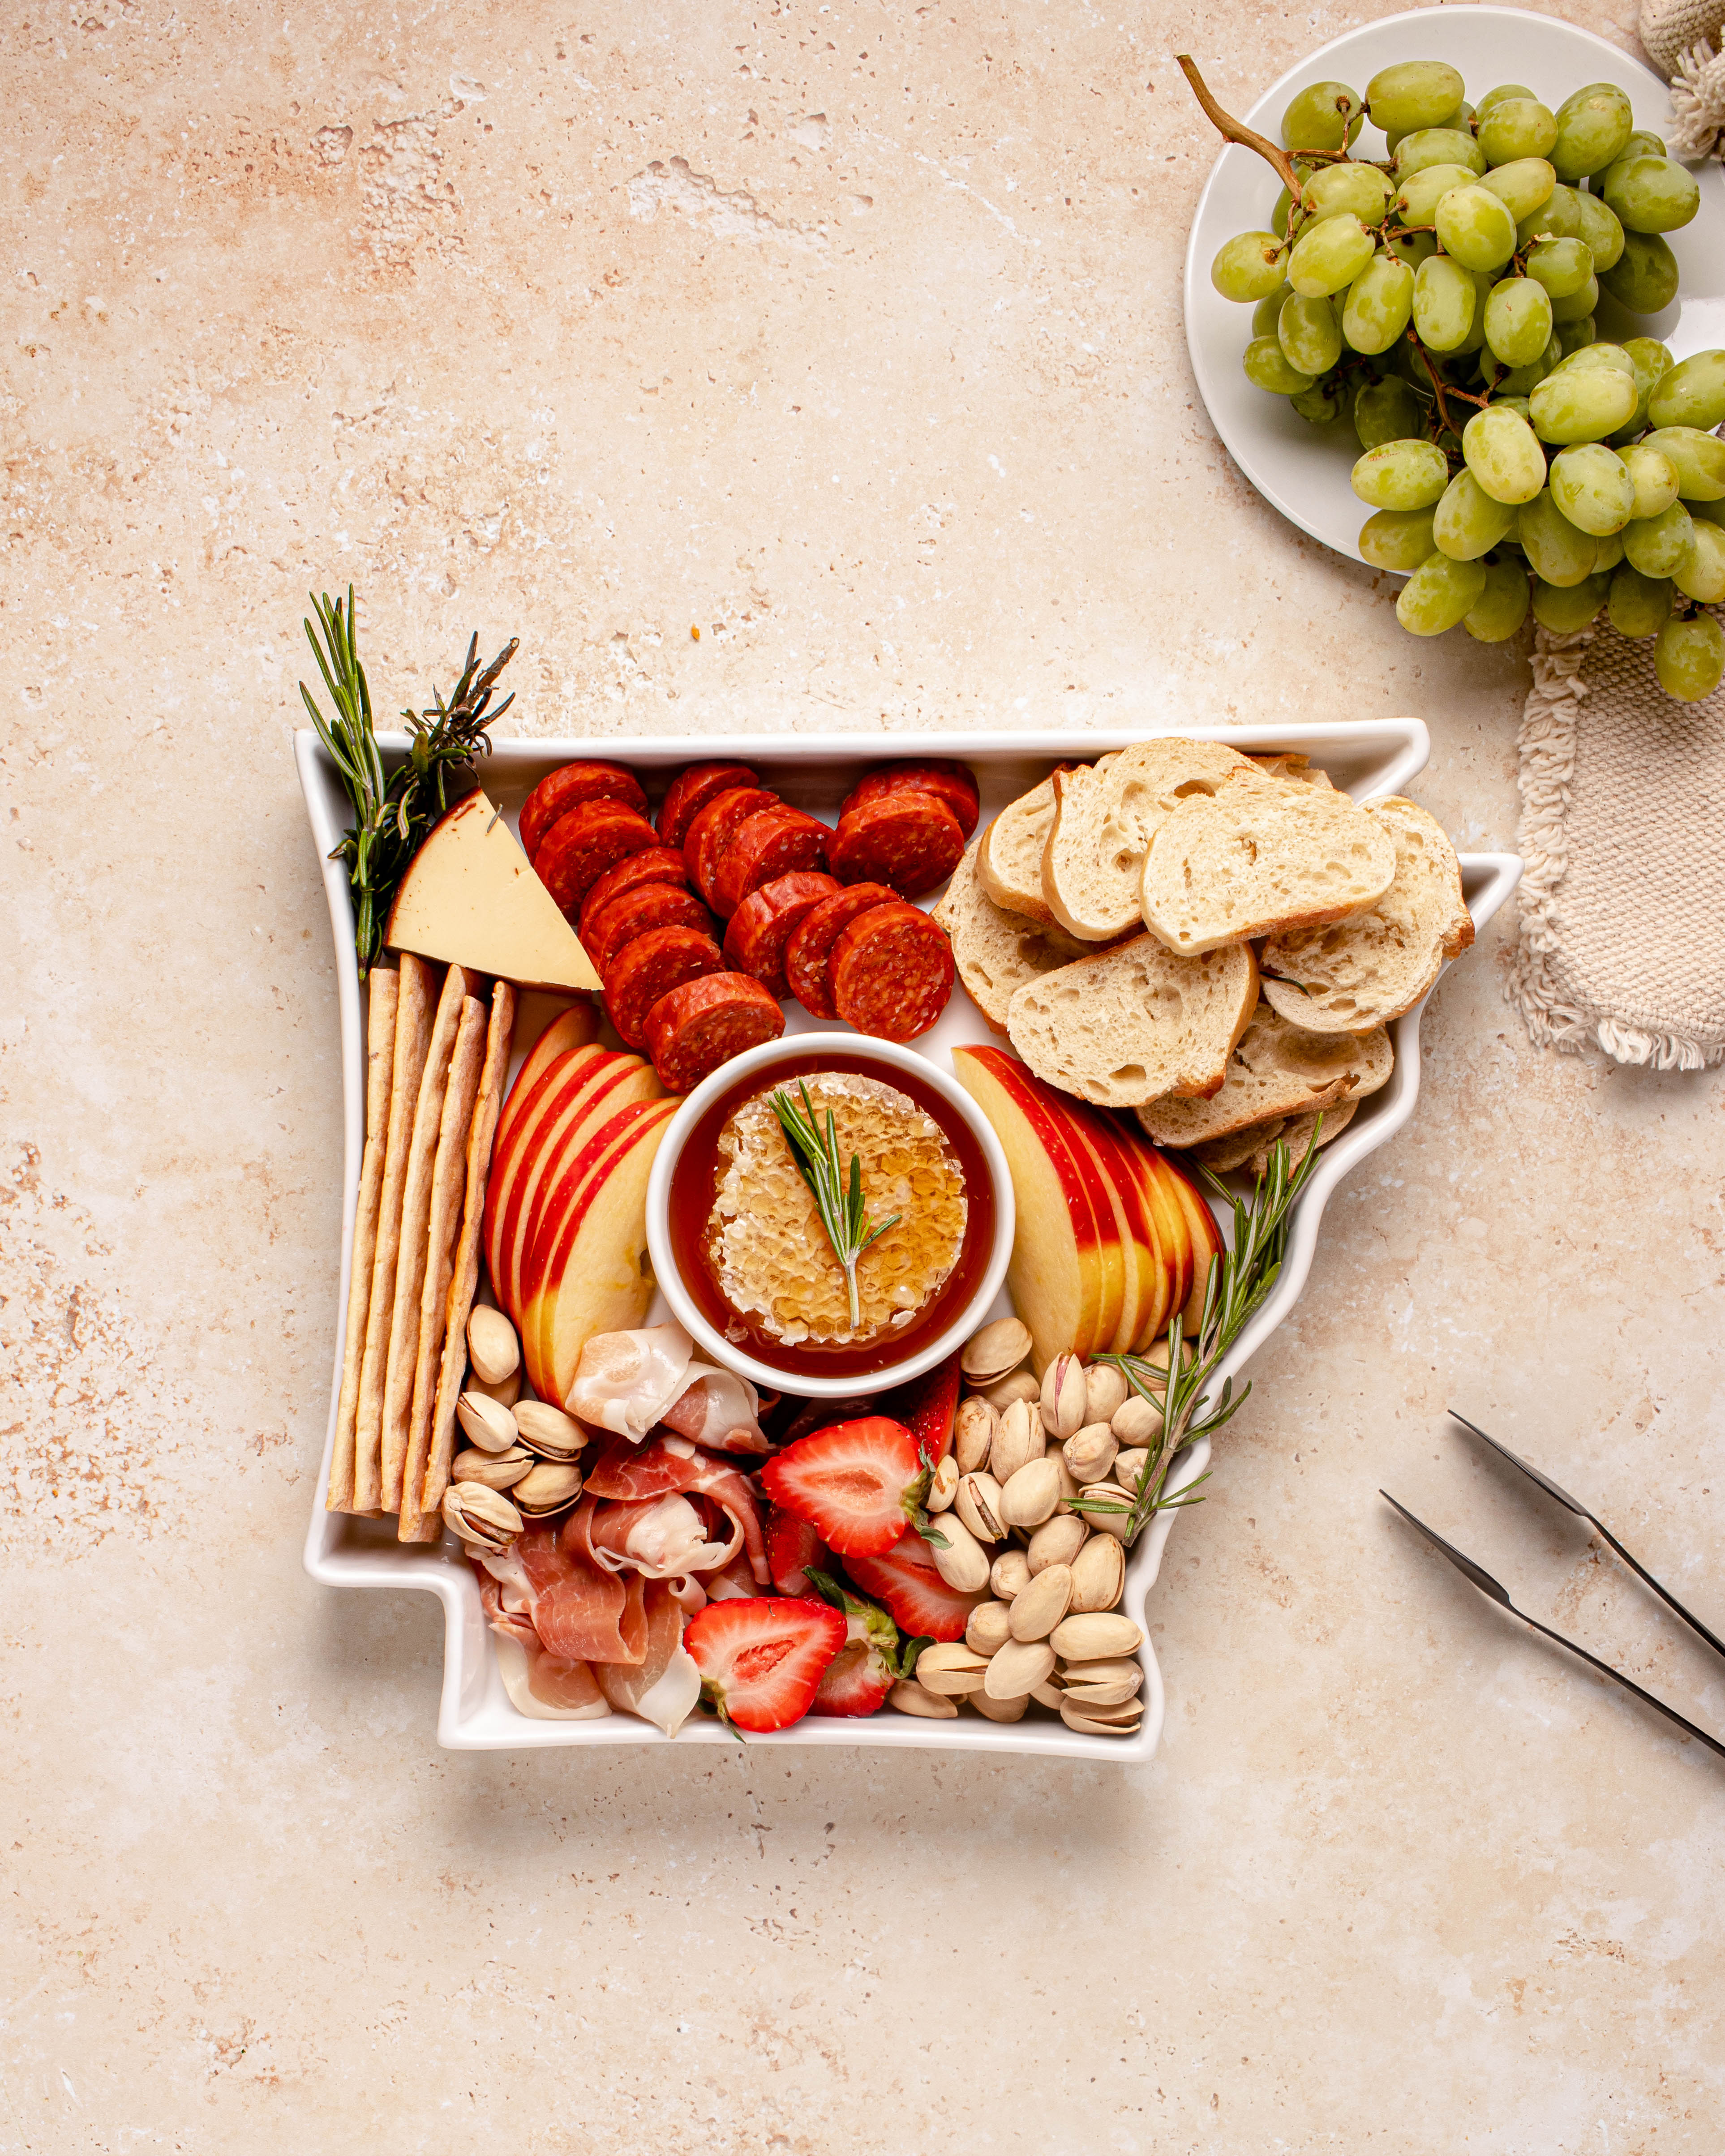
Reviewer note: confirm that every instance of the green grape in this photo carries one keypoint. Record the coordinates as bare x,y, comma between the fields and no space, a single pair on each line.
1638,604
1517,127
1516,381
1483,280
1309,334
1651,194
1699,460
1404,475
1324,402
1319,116
1518,320
1641,144
1266,367
1644,276
1593,126
1692,394
1600,355
1652,362
1329,255
1702,576
1559,553
1250,266
1439,593
1462,119
1398,539
1467,523
1558,216
1502,608
1387,410
1379,302
1576,337
1412,248
1340,190
1582,404
1659,546
1712,511
1608,551
1504,455
1652,478
1589,484
1283,221
1689,657
1523,188
1601,230
1445,304
1577,306
1563,608
1417,198
1474,227
1519,406
1437,146
1561,266
1498,95
1268,311
1413,94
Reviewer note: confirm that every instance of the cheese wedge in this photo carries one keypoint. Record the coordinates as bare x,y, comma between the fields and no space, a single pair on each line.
471,896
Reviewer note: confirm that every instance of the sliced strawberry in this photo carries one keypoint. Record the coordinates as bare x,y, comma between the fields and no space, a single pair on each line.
761,1658
792,1546
905,1580
926,1406
868,1664
858,1482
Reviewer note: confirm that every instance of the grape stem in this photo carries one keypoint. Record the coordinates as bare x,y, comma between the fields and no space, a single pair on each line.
1466,396
1235,130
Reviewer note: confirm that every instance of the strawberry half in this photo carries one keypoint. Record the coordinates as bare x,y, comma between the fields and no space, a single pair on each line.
791,1547
905,1580
926,1407
761,1658
858,1483
868,1664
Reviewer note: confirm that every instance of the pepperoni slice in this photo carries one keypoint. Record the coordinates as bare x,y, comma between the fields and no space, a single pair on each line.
578,849
691,1031
770,844
762,925
658,864
892,972
692,789
810,947
653,905
710,829
908,840
953,785
555,795
650,968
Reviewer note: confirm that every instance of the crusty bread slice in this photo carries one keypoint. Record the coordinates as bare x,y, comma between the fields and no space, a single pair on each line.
1277,1070
1285,763
1250,1148
1135,1022
1370,968
1104,815
1010,861
996,951
1259,857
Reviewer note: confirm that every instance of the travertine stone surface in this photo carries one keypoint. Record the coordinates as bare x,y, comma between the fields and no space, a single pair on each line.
848,334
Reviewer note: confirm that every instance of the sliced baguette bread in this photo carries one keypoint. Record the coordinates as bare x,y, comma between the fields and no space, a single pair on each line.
1135,1023
1260,857
1276,1070
996,951
1250,1148
1287,764
1363,971
1010,861
1104,815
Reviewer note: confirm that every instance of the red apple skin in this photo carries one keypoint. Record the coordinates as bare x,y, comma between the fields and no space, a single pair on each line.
575,1027
1148,1282
521,1150
1206,1238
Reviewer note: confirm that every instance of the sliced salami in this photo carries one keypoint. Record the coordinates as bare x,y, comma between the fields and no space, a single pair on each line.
658,864
953,785
653,905
691,1031
710,829
762,925
650,968
692,789
578,849
560,790
770,844
892,972
908,840
807,952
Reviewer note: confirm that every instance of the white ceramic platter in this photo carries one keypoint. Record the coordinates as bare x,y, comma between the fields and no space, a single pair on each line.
1302,470
815,771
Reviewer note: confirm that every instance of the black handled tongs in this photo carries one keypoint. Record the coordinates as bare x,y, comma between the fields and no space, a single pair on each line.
1487,1585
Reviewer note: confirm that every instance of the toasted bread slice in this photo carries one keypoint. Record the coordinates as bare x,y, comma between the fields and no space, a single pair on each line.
1276,1070
1250,1148
1104,815
1260,857
996,951
1363,971
1135,1022
1009,863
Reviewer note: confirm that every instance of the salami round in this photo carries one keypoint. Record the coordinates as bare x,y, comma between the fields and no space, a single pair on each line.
691,1031
908,840
892,972
650,968
807,952
953,785
692,789
653,905
658,864
770,844
563,790
578,849
761,925
710,827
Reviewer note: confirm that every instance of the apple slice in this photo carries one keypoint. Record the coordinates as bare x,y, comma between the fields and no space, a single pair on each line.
1168,1218
1206,1238
515,1152
572,1028
1147,1284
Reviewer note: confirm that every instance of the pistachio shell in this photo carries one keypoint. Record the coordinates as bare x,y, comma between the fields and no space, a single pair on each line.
1117,1519
1019,1439
1019,1386
996,1351
1030,1496
973,1432
963,1563
1042,1603
943,1484
1105,1683
950,1684
1057,1540
950,1655
1049,1692
1098,1574
1063,1397
505,1395
1093,1635
496,1470
547,1488
1093,1723
910,1698
987,1627
1019,1666
1136,1422
998,1710
978,1504
1090,1454
548,1431
484,1518
1105,1387
1009,1574
1129,1467
492,1348
485,1424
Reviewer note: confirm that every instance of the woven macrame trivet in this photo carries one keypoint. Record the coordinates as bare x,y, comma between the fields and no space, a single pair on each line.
1684,38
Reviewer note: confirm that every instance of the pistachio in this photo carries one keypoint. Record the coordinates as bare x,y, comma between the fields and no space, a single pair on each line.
1136,1422
1057,1540
1031,1496
1019,1386
950,1684
1068,1483
973,1432
486,1423
483,1518
547,1488
1094,1635
492,1348
910,1698
1105,1683
1049,1692
953,1670
1098,1573
1020,1665
497,1470
978,1504
1042,1603
963,1563
505,1393
987,1627
1129,1467
1117,1518
1105,1387
942,1484
996,1351
1019,1439
1009,1574
998,1710
1157,1358
548,1431
1063,1397
1100,1721
1091,1454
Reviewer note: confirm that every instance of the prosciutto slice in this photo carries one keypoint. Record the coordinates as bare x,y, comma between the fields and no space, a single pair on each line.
660,1538
546,1687
627,1383
578,1608
665,1686
625,1474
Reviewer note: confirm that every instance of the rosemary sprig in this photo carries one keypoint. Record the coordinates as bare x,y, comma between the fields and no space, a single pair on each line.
818,1160
1238,1282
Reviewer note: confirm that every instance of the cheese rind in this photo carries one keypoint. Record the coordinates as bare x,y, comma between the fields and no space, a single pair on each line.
471,896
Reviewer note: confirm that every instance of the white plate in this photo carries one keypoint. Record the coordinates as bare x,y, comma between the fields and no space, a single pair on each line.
1302,470
1368,758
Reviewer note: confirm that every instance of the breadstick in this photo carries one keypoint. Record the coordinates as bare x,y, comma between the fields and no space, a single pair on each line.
413,1040
380,1064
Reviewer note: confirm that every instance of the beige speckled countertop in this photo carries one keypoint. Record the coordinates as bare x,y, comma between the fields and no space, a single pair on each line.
849,333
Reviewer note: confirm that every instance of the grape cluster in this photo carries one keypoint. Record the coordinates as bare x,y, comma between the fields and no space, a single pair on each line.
1444,300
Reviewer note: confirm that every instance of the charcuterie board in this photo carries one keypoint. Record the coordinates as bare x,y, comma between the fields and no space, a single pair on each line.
813,774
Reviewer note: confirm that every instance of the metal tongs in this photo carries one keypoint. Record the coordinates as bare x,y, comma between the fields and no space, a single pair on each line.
1486,1584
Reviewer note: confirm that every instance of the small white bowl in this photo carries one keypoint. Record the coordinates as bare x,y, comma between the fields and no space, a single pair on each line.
852,1048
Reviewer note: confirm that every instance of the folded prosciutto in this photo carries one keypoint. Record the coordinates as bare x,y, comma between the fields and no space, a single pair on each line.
628,1382
546,1687
644,1518
664,1687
